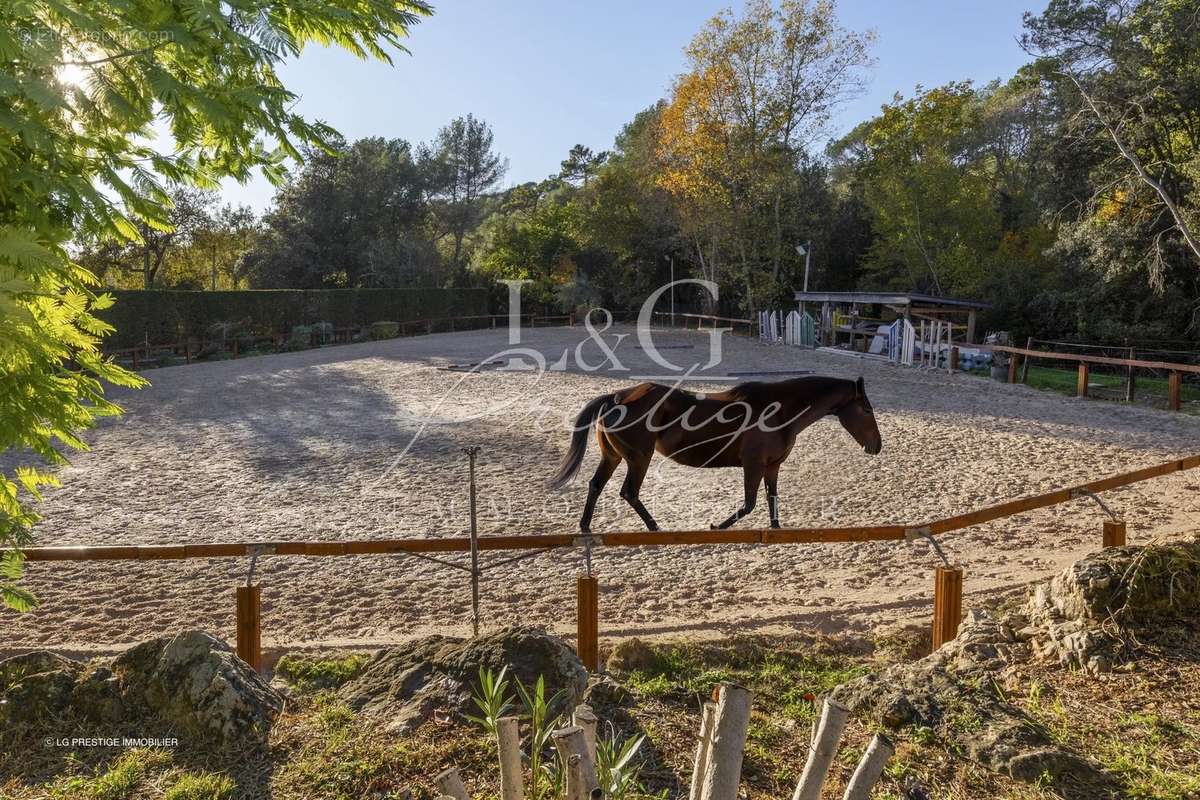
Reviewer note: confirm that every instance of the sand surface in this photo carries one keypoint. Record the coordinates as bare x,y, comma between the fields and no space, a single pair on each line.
364,441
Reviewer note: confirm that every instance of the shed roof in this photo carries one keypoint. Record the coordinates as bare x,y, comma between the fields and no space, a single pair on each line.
889,298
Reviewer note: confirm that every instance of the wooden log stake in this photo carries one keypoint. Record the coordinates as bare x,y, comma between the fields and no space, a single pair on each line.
723,770
587,620
1081,383
1174,391
585,718
947,604
570,742
869,768
249,626
821,750
508,742
708,716
451,785
1114,533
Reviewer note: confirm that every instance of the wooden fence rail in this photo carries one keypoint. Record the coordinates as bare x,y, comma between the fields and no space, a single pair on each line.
462,544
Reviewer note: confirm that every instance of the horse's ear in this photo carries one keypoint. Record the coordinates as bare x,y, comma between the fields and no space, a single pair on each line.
860,388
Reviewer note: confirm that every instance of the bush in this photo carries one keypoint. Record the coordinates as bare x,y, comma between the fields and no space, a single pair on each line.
385,330
165,316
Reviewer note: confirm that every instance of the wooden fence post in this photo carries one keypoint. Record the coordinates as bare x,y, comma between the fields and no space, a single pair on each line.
1130,380
587,622
947,604
1114,533
708,716
1174,391
723,770
821,750
249,626
1013,360
508,742
1025,364
954,359
1081,383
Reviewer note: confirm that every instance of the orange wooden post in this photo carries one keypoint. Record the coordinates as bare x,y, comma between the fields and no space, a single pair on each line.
1174,390
1081,385
1114,533
587,620
947,604
1012,367
249,620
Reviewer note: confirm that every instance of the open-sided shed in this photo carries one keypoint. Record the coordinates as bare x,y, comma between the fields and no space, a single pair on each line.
855,314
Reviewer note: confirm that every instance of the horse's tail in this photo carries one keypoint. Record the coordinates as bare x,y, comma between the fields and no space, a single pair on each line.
579,436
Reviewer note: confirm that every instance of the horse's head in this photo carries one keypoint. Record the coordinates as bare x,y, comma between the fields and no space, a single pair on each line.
858,418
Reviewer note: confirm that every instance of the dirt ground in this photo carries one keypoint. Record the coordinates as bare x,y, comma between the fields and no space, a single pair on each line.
364,441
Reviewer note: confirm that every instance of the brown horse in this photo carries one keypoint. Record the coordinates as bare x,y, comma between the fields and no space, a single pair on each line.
752,426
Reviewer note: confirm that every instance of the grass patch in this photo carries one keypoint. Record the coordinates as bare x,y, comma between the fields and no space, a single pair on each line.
307,674
201,786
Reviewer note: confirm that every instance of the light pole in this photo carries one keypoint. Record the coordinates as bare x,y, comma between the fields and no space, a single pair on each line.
806,251
671,261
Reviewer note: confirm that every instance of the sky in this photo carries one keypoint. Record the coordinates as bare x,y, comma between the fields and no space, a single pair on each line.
547,74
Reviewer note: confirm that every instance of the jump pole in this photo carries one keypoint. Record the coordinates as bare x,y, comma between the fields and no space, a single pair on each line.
1114,533
249,626
587,621
947,604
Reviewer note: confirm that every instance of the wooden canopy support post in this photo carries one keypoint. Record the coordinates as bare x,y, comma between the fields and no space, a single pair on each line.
947,604
1174,391
587,622
249,626
1081,384
821,750
1114,533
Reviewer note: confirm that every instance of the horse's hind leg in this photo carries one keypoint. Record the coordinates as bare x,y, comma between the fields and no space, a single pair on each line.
633,486
771,479
608,465
752,476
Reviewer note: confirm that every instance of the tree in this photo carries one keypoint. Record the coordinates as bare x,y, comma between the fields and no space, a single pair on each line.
463,168
759,89
354,216
82,83
581,164
141,262
1133,65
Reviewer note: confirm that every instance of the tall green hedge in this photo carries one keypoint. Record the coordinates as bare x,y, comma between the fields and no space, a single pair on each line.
166,316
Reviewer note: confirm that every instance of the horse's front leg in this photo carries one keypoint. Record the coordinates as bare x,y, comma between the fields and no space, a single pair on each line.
752,476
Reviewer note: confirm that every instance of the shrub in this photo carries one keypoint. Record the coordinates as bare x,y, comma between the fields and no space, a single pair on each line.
385,330
201,786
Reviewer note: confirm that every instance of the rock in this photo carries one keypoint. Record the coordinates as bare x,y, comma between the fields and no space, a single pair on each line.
192,683
198,684
36,686
632,655
408,682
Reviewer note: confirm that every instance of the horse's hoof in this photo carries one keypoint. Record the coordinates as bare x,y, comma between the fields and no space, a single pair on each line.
776,525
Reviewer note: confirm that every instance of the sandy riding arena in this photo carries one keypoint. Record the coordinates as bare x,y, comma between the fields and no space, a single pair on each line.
364,441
